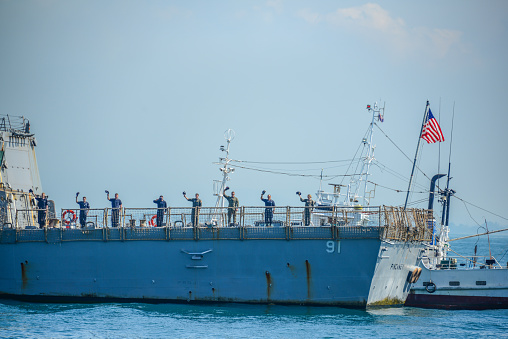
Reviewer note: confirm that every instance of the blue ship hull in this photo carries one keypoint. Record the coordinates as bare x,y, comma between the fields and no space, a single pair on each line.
296,271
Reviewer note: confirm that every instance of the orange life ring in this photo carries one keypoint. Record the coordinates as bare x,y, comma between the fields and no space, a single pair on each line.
152,221
71,219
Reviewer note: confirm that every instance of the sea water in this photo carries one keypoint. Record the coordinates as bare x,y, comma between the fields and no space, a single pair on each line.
136,320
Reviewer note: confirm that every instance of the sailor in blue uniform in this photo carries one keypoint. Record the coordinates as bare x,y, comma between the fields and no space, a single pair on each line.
116,205
196,205
84,206
269,210
42,207
161,205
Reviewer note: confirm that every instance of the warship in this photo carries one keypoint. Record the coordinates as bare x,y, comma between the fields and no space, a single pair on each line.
351,254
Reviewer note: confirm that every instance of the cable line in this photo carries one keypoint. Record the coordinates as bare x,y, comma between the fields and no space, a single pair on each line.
294,174
393,189
290,162
401,151
483,209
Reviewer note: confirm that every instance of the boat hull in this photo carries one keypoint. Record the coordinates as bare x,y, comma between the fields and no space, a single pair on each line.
75,265
461,289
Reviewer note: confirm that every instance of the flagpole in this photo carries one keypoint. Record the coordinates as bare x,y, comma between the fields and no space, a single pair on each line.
416,154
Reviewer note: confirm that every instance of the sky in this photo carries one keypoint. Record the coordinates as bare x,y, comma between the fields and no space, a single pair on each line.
135,96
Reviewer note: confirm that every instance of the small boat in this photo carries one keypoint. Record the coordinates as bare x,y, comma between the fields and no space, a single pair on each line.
457,281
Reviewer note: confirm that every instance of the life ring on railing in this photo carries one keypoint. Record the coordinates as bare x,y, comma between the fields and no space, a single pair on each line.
431,287
71,219
153,221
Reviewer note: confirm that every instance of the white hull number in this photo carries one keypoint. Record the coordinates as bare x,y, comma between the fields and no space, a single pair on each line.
333,246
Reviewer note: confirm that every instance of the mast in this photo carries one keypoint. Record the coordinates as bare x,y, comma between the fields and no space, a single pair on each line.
229,135
416,154
448,193
369,157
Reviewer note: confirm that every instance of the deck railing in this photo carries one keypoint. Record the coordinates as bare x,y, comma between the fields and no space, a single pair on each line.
458,262
285,222
10,123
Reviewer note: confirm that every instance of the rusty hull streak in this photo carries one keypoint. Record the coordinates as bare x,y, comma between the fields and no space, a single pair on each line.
309,280
268,285
292,269
24,277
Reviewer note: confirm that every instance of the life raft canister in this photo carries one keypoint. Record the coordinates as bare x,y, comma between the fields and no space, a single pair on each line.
72,217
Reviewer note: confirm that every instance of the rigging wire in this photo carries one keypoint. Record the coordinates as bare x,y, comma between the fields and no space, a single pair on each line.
417,201
468,212
401,151
354,157
294,170
284,170
317,176
503,255
418,161
352,161
397,175
483,209
392,189
291,162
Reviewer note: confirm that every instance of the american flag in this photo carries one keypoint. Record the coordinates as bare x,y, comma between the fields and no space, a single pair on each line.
431,131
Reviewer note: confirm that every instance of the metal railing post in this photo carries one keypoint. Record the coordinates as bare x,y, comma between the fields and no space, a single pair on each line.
334,215
288,222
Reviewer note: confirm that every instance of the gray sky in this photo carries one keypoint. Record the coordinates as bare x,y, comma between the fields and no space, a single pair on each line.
134,96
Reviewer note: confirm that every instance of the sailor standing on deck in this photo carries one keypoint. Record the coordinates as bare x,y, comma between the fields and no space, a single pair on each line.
42,206
233,205
84,206
161,206
116,205
309,205
196,205
269,210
